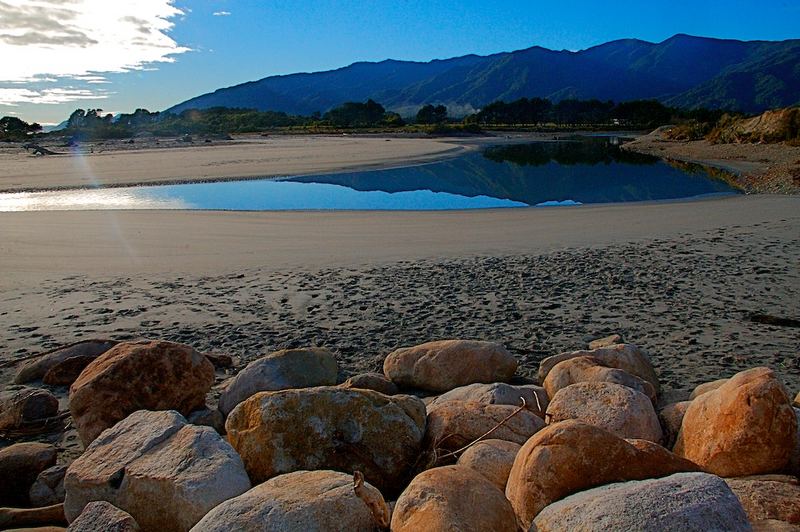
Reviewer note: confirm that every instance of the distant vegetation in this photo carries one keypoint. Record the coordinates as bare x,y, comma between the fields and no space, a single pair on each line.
15,129
534,114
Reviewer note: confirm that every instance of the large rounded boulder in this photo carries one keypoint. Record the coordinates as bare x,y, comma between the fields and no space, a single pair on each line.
20,465
491,458
454,424
452,498
38,367
616,408
329,427
572,456
163,471
287,368
591,369
684,501
131,376
303,500
499,393
627,357
446,364
22,406
747,426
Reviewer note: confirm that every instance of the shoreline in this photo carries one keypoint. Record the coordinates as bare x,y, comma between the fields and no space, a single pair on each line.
272,157
753,168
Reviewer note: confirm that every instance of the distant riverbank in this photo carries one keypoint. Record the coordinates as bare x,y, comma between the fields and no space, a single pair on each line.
756,168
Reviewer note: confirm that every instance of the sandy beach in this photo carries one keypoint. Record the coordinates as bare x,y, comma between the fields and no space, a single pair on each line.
116,163
681,279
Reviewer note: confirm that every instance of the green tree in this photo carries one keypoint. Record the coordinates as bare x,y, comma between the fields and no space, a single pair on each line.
428,114
13,128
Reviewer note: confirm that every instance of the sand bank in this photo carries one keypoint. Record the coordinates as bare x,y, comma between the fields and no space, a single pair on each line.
110,165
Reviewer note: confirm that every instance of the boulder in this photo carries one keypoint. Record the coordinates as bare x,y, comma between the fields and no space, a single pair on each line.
684,501
572,456
100,515
671,418
627,357
454,424
612,339
492,459
773,525
163,471
745,427
66,372
48,488
146,375
452,498
371,381
591,369
706,387
20,464
302,500
616,408
281,370
329,427
36,368
446,364
208,418
771,497
796,402
499,393
23,405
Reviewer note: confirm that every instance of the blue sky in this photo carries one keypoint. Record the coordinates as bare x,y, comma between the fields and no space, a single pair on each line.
154,53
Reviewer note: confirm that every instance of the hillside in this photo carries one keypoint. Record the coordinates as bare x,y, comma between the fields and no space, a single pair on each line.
683,71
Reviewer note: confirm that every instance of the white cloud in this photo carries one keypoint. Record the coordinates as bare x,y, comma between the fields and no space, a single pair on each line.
10,96
48,40
221,13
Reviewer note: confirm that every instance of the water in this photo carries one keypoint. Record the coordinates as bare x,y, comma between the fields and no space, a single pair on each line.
573,172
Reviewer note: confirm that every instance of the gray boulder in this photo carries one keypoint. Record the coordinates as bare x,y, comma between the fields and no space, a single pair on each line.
684,502
303,500
48,488
100,515
281,370
163,471
36,368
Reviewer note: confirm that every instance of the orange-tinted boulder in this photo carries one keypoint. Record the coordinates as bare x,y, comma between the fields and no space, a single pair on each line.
454,424
452,498
619,409
329,427
492,459
446,364
498,393
745,427
573,456
706,387
627,357
145,375
371,381
591,369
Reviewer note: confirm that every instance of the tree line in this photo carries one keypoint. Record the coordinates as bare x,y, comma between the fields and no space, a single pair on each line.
94,124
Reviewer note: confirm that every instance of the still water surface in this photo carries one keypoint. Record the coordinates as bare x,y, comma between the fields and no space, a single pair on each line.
589,170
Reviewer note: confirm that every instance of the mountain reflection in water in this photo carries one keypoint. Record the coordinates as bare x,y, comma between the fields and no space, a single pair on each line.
588,170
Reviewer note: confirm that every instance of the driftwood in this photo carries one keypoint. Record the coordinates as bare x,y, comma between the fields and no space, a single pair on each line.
488,432
29,517
38,150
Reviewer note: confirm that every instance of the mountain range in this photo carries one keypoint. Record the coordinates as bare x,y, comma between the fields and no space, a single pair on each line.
682,71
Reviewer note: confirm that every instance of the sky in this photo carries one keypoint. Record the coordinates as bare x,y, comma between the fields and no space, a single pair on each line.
117,55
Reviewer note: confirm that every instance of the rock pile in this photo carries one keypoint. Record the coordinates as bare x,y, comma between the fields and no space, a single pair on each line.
287,448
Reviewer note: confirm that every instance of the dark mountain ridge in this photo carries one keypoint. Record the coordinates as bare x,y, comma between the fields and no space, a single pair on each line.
683,71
